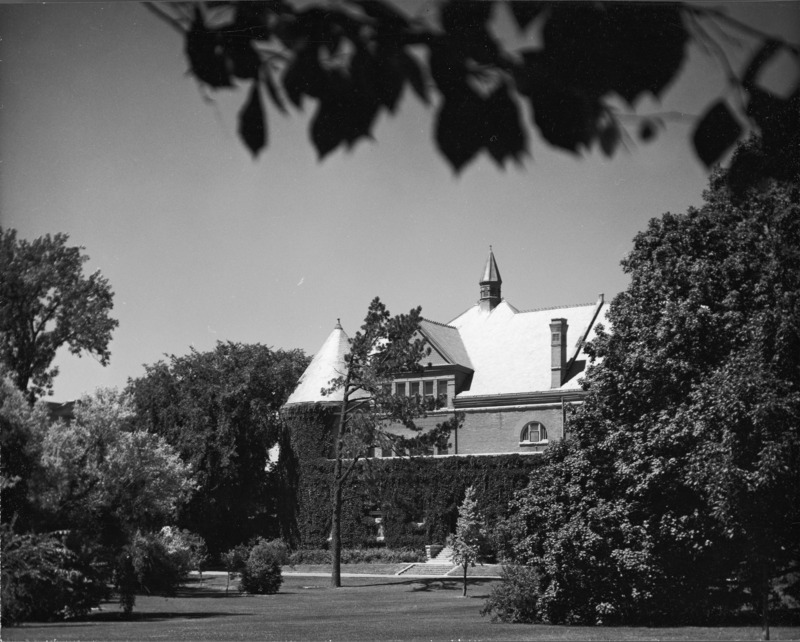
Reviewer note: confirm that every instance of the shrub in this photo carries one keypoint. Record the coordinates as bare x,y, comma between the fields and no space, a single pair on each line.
262,572
186,549
43,579
516,598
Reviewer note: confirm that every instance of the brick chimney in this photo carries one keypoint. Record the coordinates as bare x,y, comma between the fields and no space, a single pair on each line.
558,351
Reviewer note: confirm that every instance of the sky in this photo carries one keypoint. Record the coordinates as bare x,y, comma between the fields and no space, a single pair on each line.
105,137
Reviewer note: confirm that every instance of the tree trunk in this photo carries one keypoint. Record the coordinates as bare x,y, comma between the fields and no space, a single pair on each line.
336,529
465,581
765,591
336,497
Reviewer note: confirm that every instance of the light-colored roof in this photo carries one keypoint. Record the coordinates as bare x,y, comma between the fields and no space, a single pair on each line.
327,364
510,351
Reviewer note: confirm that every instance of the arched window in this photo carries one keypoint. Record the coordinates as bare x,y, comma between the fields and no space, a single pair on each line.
533,433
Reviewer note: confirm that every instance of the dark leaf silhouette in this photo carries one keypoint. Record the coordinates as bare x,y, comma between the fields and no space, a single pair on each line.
526,11
253,122
609,138
460,128
244,61
589,56
506,138
412,72
205,51
717,131
274,94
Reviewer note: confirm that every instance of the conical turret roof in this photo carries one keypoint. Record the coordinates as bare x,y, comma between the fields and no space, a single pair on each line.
327,364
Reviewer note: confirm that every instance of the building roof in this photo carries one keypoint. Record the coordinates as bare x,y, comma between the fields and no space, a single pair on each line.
446,341
491,274
327,364
510,351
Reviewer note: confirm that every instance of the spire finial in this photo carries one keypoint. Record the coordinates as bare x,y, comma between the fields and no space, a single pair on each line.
338,325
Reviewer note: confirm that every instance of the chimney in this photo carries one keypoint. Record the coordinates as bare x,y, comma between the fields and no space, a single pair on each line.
558,351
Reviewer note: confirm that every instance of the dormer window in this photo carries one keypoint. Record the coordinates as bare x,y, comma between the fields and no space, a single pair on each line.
533,433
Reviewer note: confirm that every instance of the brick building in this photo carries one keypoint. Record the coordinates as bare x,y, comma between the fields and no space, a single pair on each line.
512,373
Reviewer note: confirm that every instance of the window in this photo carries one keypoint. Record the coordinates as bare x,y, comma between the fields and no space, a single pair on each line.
533,433
442,390
414,385
428,388
400,389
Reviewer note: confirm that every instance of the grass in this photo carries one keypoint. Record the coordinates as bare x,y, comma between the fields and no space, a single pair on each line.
366,608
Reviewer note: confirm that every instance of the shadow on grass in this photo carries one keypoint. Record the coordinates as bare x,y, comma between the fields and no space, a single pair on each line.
149,616
427,584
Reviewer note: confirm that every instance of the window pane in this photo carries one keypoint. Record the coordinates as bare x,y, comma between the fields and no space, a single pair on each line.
442,390
414,385
428,387
400,389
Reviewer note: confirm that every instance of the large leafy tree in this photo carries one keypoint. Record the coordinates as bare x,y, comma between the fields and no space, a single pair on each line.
219,410
47,302
104,476
679,489
73,495
581,81
371,415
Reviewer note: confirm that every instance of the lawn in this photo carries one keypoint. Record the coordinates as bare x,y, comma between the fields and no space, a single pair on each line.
366,608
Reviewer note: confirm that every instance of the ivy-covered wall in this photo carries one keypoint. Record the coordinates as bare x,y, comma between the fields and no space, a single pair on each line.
418,497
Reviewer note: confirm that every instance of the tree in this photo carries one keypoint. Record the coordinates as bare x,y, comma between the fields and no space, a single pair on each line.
466,541
683,468
46,302
219,410
106,477
595,60
84,491
370,414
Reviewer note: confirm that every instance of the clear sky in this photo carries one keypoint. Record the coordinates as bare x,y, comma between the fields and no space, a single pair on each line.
104,136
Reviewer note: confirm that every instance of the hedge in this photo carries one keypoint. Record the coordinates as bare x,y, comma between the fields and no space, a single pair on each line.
418,497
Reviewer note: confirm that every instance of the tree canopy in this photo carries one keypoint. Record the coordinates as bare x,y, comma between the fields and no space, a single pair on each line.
219,410
46,302
73,495
683,466
581,82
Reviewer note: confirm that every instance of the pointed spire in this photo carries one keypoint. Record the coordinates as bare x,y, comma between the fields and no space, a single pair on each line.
490,284
490,272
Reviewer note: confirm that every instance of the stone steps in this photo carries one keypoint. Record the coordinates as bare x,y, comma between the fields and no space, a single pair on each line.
433,570
444,557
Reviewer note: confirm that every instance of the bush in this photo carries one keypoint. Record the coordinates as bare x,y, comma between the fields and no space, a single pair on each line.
43,579
262,572
187,550
516,598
